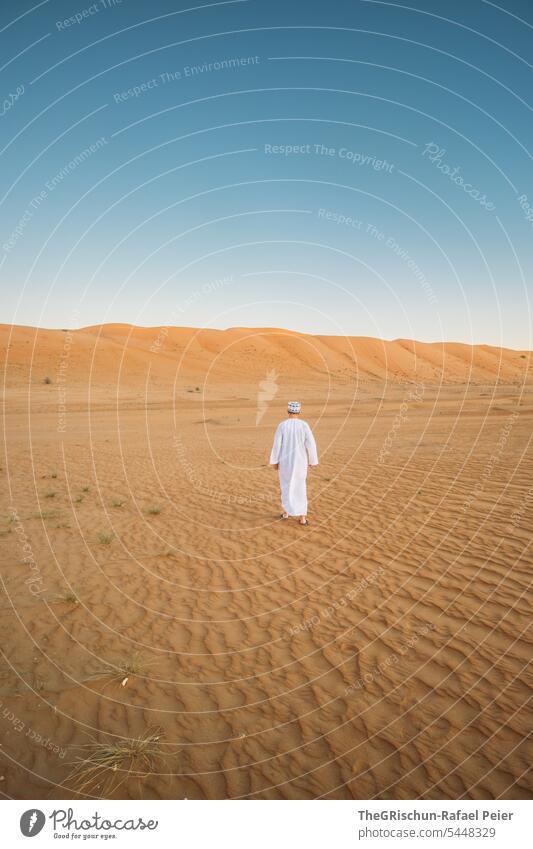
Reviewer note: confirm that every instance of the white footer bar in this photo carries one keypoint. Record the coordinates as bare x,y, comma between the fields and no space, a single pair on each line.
268,824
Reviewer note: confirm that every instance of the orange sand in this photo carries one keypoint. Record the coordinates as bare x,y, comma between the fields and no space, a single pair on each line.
379,653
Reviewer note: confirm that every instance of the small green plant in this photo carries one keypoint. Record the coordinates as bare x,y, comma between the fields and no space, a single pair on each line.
46,514
153,510
117,502
77,498
69,598
85,489
53,475
105,537
47,380
50,494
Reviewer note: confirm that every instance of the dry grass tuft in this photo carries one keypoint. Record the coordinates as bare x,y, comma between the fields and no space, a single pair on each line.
106,765
69,597
153,510
105,537
47,514
121,672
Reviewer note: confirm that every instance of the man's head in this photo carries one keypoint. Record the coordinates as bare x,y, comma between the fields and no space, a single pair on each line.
293,408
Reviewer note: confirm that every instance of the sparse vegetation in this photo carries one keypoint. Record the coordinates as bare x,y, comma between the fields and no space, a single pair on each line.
46,514
47,380
85,489
117,502
153,510
106,765
77,498
123,670
50,494
105,537
69,598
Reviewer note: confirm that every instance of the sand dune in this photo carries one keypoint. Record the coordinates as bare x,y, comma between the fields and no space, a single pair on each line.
381,652
120,351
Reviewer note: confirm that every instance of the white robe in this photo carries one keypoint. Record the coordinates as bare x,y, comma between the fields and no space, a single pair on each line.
294,448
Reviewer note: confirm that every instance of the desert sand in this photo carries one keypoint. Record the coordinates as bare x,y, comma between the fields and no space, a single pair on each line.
150,590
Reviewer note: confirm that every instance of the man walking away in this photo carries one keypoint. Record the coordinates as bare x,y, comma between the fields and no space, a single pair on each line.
293,451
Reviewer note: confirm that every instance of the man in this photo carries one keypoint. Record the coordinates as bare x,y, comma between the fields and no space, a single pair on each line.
293,450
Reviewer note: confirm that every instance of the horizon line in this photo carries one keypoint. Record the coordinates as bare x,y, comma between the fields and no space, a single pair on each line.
260,329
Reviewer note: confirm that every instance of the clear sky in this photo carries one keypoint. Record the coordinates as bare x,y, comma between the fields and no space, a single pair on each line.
346,167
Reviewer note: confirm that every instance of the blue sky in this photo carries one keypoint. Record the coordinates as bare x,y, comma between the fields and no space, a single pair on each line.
355,168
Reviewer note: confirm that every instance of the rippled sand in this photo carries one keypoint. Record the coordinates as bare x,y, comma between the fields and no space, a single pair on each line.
381,652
